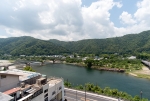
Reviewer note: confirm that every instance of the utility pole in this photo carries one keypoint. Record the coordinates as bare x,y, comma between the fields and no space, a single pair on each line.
141,94
85,92
55,90
76,95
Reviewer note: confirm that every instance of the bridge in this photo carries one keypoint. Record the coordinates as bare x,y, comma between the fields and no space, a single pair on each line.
26,62
7,66
146,63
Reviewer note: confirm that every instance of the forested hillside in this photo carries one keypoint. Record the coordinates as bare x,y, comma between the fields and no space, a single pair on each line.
128,44
132,43
29,46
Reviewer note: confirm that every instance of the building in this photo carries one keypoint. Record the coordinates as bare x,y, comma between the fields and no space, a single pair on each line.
18,85
132,57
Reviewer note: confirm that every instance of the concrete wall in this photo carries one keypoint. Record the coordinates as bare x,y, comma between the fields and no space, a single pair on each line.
11,81
63,91
39,98
57,91
45,87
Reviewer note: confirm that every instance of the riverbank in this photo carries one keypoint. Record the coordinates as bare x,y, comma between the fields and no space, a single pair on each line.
144,73
109,69
99,68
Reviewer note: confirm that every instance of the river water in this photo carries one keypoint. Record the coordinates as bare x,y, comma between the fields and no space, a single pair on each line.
80,75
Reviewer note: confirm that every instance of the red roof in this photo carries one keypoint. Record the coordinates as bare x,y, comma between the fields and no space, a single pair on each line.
11,91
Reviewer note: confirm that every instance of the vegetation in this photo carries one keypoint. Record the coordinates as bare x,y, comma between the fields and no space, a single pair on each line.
135,44
106,91
73,60
28,68
144,56
89,62
120,64
17,46
109,61
128,44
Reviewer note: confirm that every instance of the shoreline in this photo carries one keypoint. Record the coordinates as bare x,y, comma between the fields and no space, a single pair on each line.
100,69
133,74
144,73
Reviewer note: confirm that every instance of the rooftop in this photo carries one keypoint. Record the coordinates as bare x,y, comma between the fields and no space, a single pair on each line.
8,73
29,89
26,87
23,75
53,80
33,89
5,97
11,91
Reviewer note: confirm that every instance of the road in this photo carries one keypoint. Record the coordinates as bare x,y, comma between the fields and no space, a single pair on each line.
75,95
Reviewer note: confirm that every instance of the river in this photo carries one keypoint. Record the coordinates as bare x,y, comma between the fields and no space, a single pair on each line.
80,75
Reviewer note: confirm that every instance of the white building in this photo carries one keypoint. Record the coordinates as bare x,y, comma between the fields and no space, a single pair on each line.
132,57
30,86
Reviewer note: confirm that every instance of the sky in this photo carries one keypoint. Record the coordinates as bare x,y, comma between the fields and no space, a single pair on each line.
72,20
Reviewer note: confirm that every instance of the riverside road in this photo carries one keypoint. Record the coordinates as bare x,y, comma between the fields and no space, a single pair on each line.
75,95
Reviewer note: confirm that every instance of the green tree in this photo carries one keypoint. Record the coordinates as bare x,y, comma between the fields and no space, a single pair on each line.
89,62
28,68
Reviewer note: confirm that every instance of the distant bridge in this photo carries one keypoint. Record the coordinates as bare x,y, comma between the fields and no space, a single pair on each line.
7,66
17,63
146,63
26,62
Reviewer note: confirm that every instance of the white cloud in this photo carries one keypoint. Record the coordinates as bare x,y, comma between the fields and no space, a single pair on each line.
137,22
143,12
127,18
118,4
68,20
96,19
61,19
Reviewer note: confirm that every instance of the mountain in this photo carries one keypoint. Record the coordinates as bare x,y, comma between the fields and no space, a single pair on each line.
128,44
29,46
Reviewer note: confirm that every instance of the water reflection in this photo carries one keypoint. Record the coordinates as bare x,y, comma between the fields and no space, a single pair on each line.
89,70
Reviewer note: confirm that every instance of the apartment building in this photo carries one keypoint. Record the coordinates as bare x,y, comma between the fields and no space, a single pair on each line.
18,85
